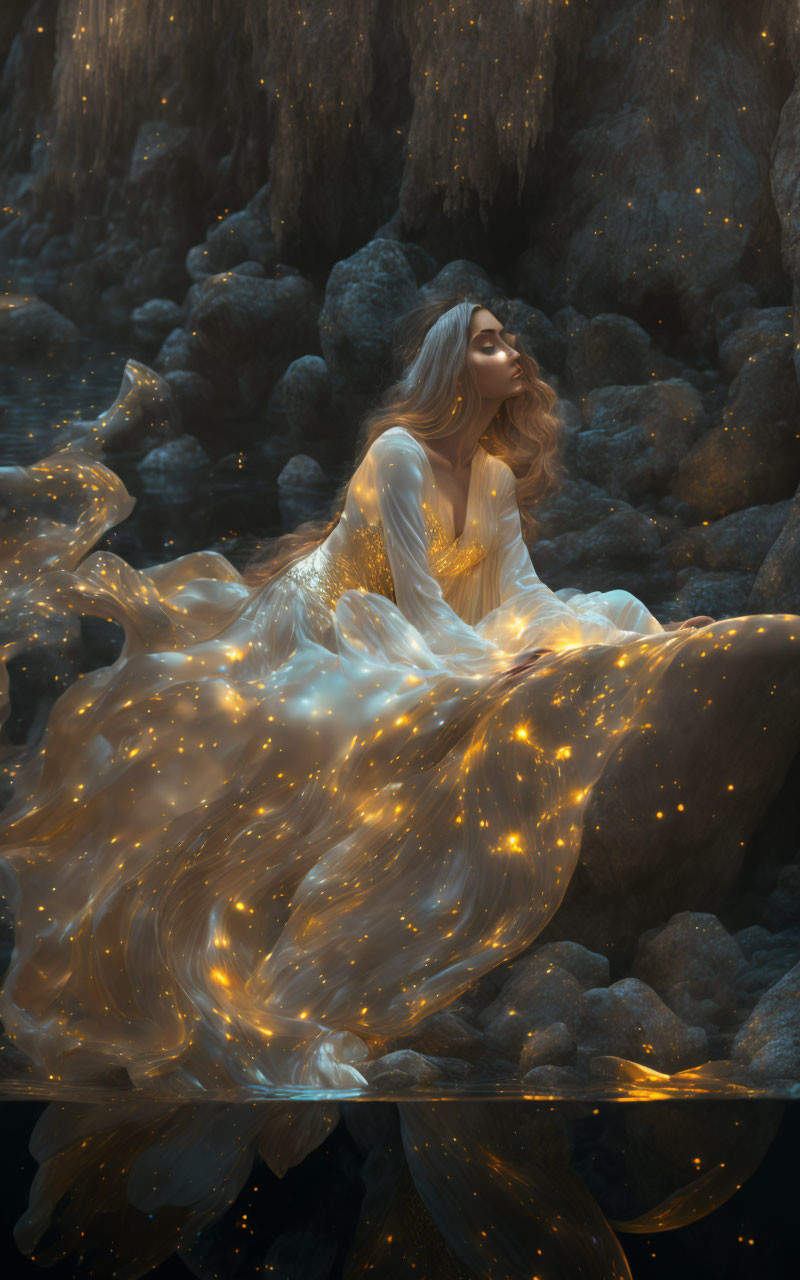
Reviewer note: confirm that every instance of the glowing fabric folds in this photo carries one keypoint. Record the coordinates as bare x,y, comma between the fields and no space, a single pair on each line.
292,820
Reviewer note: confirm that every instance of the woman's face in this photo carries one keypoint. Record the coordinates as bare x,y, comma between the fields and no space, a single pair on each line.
494,361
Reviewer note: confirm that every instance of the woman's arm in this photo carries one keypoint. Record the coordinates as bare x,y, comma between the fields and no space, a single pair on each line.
619,608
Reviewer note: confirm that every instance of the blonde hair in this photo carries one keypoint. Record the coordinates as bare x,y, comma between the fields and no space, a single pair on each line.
434,395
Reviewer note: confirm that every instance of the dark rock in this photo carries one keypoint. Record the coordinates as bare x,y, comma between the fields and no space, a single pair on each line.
783,904
770,1040
30,326
577,504
549,1045
754,456
161,153
621,551
155,273
609,350
402,1069
551,1076
175,456
154,320
692,963
770,957
364,296
713,595
301,401
591,969
768,329
626,214
303,491
463,279
635,437
236,316
536,995
777,585
786,197
628,1020
180,350
302,472
299,1253
255,327
738,542
196,399
243,237
445,1034
248,269
58,251
730,308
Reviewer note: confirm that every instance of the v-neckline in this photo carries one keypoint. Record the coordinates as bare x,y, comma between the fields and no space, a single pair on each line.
476,459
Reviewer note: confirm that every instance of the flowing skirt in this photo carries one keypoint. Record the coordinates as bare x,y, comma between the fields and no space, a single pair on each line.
267,837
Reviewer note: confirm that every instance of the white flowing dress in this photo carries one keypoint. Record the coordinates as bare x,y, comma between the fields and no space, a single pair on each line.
292,821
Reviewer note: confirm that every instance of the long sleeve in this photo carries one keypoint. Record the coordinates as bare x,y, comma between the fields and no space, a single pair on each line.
546,617
399,481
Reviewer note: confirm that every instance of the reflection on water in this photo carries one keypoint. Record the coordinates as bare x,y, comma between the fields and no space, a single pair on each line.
440,1190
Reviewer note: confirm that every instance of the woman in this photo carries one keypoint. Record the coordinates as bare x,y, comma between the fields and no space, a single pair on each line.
307,808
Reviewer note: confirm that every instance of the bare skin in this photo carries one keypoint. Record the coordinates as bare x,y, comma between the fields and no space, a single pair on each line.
494,362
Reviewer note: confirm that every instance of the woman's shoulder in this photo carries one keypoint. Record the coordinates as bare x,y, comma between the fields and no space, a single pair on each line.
395,444
500,472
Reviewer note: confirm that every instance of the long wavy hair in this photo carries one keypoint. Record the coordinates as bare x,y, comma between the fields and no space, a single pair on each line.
434,393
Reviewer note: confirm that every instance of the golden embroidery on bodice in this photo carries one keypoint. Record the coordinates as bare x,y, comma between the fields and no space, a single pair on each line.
366,567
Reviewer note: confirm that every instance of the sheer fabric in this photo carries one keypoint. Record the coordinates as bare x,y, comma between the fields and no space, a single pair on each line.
290,822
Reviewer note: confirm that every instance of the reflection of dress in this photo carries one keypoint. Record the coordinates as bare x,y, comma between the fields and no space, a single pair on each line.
291,821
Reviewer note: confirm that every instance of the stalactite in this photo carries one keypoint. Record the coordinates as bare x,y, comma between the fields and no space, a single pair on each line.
482,84
319,57
110,55
482,80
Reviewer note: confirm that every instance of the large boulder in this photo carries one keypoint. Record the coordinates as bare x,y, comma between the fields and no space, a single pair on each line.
708,594
635,437
636,207
365,295
254,326
736,543
628,1020
613,350
777,585
769,1042
536,994
29,326
239,238
693,964
760,330
464,279
754,456
621,551
154,320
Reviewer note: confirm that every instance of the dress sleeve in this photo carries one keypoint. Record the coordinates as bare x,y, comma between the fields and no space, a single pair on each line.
567,616
399,480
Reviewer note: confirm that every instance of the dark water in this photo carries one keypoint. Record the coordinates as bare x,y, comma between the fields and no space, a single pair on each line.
316,1208
212,508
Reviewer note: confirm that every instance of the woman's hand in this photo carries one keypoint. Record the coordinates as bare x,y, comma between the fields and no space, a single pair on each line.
702,620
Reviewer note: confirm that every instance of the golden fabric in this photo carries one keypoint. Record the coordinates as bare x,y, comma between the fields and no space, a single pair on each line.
292,820
366,565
